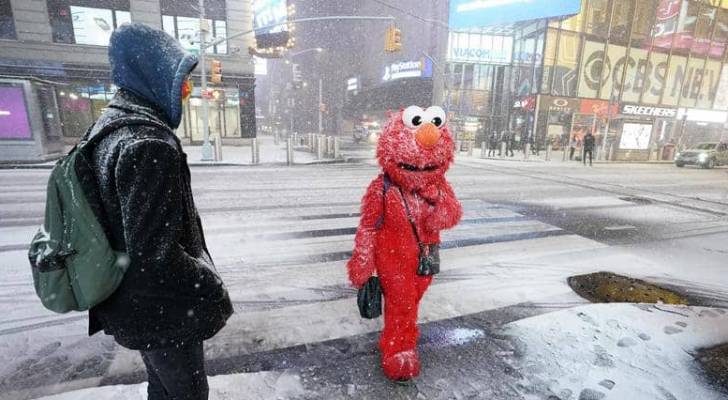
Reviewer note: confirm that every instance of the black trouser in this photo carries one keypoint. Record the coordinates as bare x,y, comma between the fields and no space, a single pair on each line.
509,151
491,151
590,152
176,373
571,153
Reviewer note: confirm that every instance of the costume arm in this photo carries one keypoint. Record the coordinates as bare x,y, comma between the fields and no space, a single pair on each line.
362,263
446,212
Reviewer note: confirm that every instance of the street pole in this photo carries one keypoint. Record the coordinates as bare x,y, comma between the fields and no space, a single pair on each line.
321,102
207,151
603,156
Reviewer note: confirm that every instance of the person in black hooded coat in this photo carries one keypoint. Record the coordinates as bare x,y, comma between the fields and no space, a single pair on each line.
171,298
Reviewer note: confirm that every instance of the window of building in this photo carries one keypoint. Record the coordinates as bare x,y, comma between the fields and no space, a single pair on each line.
643,22
596,17
7,24
720,35
181,19
622,13
549,59
564,77
574,24
88,22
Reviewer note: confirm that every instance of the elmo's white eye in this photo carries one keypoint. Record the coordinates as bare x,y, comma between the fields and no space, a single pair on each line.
435,115
413,117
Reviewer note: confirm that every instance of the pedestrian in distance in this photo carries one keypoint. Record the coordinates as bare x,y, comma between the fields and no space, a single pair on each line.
588,147
170,298
510,141
492,144
573,143
403,212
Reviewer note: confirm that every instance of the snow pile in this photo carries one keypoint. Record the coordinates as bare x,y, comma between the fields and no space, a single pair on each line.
258,386
617,351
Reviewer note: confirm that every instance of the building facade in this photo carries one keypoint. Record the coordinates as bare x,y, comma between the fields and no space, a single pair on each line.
647,77
54,71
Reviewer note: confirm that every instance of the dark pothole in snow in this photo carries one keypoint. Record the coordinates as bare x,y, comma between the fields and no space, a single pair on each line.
715,363
607,287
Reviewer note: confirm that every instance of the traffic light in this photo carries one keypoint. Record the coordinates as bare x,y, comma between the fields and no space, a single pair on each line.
215,71
393,40
297,76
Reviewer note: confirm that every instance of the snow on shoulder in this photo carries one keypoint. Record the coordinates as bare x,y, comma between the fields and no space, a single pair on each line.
618,351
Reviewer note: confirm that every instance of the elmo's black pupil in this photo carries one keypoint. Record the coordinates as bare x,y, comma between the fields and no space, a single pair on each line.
437,121
416,121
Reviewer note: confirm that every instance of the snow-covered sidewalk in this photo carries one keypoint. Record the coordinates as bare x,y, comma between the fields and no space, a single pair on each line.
591,352
261,385
617,351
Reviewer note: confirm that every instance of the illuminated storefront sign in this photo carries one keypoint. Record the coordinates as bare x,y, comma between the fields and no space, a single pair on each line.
559,104
352,84
635,136
695,82
407,69
266,13
648,111
465,14
13,114
478,48
696,115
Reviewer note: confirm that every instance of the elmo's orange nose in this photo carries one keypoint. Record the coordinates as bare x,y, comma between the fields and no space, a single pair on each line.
427,135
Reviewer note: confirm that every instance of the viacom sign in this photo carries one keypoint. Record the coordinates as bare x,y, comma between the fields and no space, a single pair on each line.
478,48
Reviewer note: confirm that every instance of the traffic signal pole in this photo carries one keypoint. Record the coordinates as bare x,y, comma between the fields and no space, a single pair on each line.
207,150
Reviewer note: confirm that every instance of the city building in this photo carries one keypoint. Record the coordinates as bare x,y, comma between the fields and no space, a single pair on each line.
54,71
647,77
352,79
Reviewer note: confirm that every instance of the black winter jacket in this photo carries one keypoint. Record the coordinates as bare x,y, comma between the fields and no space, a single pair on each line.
171,293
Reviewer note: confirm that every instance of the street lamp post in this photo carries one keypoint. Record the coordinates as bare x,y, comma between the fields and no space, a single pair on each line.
321,104
207,151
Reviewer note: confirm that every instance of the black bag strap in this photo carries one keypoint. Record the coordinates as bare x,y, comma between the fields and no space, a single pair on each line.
410,217
386,184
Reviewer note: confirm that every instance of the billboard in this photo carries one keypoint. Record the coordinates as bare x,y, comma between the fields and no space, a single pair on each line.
635,137
14,122
266,13
468,14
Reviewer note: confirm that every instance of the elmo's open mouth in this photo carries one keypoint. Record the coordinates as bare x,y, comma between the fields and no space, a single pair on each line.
427,168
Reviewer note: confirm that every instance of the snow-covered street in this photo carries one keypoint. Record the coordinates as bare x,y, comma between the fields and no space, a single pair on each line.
499,322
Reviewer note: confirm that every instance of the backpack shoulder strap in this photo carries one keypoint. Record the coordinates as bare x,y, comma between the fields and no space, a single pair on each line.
387,183
121,122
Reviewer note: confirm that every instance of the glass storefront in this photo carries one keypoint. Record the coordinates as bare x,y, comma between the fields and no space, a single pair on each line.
660,54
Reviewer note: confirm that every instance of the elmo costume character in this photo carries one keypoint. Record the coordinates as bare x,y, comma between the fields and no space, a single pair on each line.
402,214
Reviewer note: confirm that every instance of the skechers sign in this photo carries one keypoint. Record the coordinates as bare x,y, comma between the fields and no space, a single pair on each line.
467,14
648,111
407,69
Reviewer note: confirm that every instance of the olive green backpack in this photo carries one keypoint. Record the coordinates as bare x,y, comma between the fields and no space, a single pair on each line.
74,266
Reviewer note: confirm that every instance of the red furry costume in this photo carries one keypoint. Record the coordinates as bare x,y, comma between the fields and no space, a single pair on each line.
414,151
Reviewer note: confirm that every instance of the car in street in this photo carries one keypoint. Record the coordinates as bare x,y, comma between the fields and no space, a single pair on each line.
706,155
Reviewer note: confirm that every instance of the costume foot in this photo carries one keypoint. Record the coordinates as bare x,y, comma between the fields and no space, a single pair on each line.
401,366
